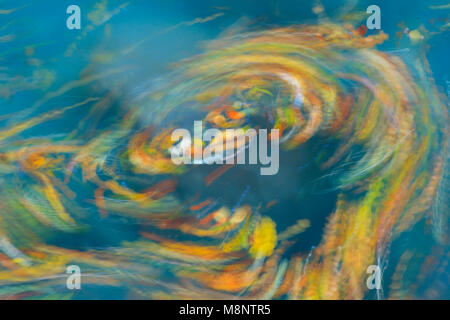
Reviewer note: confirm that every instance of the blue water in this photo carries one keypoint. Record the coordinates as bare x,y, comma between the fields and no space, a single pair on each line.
166,41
